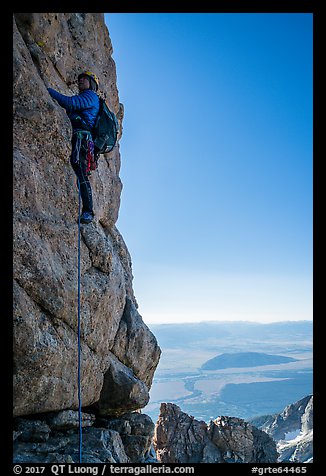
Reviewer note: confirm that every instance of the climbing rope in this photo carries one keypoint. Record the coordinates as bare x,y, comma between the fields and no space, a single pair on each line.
78,325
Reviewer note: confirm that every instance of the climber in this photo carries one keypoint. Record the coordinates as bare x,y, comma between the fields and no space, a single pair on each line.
82,110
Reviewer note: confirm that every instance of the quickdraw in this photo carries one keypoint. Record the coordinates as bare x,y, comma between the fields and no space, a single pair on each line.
91,160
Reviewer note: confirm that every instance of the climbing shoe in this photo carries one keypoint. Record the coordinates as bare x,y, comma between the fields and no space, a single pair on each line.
86,217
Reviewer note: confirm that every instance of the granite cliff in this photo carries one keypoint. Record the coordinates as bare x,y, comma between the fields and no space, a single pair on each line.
119,353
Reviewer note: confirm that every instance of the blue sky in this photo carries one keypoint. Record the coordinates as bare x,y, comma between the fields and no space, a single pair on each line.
216,207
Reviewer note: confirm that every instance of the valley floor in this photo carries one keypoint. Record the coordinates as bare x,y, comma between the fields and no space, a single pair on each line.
242,392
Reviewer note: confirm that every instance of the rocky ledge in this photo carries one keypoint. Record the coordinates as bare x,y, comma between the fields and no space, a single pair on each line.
54,438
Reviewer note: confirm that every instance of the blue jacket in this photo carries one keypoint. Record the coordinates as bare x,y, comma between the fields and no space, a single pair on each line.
82,109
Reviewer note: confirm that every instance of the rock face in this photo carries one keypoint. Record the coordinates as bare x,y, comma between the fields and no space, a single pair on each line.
54,438
179,438
119,353
292,429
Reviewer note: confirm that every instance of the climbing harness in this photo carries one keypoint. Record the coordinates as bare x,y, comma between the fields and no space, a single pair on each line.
91,157
78,325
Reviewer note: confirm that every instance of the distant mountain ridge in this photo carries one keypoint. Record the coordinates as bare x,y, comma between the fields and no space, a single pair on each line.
244,359
292,429
210,332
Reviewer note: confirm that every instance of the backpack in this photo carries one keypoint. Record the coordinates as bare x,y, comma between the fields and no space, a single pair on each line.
105,130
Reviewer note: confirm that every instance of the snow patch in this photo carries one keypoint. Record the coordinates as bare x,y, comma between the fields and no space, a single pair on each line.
292,435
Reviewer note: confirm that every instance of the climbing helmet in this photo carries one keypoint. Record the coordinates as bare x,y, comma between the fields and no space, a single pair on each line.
91,75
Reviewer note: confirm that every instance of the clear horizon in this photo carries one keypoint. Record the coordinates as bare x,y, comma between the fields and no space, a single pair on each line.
232,322
216,163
